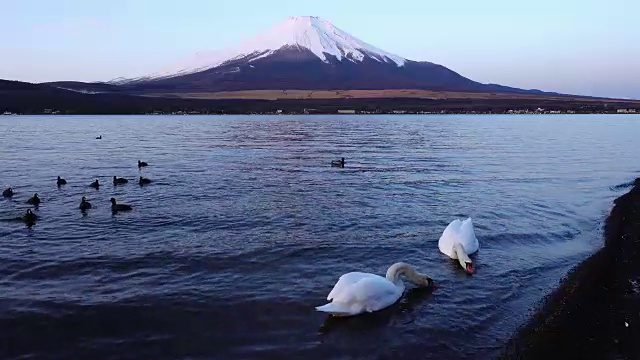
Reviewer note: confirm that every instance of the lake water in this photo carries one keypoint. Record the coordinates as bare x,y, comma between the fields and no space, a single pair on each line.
246,229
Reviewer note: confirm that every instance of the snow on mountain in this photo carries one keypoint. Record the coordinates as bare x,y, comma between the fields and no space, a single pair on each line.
119,81
318,36
307,32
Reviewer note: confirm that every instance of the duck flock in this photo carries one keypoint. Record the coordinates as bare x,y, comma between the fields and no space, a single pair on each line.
30,217
355,292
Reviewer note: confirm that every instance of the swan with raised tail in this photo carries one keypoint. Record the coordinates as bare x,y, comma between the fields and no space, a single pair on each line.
458,241
358,292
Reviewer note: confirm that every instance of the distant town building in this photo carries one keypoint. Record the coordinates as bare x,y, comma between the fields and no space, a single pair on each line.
346,111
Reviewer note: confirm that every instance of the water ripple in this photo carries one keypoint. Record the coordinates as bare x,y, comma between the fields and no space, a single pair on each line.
246,228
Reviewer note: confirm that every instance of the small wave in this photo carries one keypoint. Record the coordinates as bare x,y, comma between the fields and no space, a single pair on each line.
247,228
622,186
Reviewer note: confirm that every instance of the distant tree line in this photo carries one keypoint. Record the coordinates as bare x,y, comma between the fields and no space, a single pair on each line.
37,99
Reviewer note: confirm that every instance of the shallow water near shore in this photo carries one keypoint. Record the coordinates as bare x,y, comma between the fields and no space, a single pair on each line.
246,228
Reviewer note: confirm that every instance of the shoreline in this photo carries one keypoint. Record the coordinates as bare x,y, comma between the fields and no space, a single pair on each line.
595,312
440,113
34,99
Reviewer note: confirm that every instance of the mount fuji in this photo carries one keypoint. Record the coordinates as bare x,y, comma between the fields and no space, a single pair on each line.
297,33
304,53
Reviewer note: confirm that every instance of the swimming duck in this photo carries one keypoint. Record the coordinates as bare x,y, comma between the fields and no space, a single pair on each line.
95,184
339,163
119,207
142,164
99,137
84,204
7,192
35,200
358,292
61,181
29,217
144,181
458,241
117,180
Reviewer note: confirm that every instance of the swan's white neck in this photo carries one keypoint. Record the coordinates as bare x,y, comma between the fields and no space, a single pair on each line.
397,269
462,256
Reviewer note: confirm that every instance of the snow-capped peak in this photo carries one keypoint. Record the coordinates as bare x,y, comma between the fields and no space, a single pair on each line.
309,32
318,36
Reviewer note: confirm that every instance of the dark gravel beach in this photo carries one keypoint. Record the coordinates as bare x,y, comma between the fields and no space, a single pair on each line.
595,314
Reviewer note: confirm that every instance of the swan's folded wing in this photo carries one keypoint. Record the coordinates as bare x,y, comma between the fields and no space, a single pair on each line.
375,293
466,229
468,237
453,228
449,237
345,282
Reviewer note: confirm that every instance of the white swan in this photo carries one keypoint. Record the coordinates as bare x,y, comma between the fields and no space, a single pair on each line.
358,292
458,241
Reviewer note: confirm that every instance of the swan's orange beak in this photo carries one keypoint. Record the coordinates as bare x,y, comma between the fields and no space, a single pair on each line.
470,268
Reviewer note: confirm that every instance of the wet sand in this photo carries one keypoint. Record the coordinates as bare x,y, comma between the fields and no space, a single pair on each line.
595,313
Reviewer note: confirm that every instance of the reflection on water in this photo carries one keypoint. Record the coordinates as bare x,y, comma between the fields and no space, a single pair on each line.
404,307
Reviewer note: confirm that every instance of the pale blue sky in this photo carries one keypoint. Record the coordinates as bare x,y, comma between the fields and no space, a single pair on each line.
589,47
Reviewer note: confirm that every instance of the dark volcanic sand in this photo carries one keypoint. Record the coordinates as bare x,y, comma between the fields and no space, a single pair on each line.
595,314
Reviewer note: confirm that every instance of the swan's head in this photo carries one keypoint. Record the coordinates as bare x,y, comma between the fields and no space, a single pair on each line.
469,268
423,280
410,272
113,201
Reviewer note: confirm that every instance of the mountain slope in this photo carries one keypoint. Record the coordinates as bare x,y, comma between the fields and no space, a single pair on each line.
296,33
78,86
305,53
299,68
28,98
